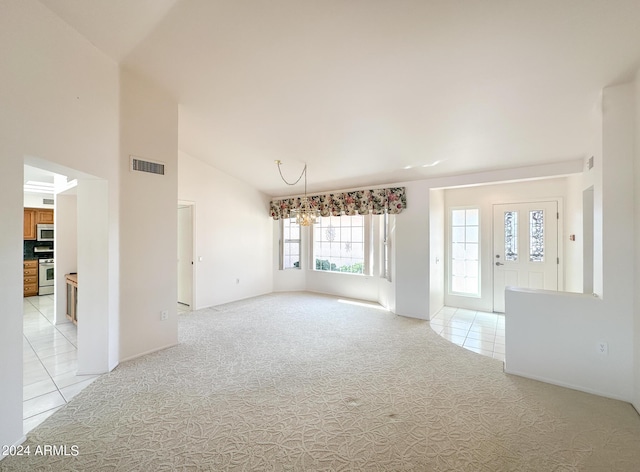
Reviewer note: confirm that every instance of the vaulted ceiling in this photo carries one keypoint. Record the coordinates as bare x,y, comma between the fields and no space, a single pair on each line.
369,92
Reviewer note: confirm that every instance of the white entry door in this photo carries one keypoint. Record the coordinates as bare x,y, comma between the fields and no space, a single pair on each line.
525,248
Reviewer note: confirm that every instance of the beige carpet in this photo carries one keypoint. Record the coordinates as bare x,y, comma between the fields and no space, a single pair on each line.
303,382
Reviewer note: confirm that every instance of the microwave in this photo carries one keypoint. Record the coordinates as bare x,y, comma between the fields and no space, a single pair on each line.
44,232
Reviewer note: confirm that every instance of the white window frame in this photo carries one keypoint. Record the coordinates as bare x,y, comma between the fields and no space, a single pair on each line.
385,270
478,293
367,238
284,241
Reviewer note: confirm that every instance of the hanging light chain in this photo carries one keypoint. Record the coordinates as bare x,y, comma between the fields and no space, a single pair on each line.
304,172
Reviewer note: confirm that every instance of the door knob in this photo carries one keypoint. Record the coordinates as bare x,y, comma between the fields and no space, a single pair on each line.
499,263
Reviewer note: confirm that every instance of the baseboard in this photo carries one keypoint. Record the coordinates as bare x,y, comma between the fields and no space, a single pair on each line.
566,385
20,441
148,352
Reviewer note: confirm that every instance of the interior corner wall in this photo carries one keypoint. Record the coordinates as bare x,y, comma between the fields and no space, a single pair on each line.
436,250
148,218
59,100
10,293
411,241
636,321
234,234
573,223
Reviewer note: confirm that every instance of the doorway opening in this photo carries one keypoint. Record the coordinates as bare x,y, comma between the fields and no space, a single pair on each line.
63,358
186,285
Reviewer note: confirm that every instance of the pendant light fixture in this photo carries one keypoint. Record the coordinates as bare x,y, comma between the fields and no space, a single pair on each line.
305,215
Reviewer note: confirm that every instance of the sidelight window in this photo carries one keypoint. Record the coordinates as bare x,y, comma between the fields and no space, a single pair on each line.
465,252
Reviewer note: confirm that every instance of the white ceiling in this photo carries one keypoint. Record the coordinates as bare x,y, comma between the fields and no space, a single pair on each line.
362,89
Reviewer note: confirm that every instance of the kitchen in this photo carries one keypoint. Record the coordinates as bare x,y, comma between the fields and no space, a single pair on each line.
45,190
38,238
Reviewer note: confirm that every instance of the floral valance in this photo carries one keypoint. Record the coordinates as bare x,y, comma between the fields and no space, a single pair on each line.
357,202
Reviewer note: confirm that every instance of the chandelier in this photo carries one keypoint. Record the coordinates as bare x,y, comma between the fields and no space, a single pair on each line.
306,214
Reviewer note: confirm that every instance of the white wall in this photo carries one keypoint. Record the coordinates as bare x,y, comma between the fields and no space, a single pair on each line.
35,200
580,322
361,287
66,249
484,197
566,354
148,231
412,253
234,234
437,253
95,316
59,100
636,324
573,224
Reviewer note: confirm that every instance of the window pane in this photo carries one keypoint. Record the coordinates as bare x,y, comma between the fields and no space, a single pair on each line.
472,217
457,217
471,285
472,234
471,252
457,284
511,235
339,244
536,236
457,234
290,244
458,251
458,268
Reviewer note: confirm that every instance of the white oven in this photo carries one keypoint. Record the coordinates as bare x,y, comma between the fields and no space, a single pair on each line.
45,276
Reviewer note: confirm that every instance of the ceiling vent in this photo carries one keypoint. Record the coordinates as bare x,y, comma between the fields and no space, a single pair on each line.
150,167
47,201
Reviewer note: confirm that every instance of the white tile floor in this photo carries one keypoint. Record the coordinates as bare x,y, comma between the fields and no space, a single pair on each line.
476,331
49,362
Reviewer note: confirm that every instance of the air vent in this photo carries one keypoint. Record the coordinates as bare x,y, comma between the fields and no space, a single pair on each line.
47,201
150,167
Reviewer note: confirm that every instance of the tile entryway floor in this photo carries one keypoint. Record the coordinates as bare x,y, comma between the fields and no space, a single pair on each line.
476,331
49,362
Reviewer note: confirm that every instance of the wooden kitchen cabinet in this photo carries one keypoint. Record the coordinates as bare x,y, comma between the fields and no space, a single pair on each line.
44,216
33,217
30,278
29,223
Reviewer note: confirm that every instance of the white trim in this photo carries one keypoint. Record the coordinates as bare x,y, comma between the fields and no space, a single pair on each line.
565,384
16,444
151,351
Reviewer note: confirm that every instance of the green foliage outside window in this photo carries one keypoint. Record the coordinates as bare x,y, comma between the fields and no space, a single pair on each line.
357,268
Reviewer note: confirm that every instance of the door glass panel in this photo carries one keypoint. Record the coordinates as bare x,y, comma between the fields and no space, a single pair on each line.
536,236
511,235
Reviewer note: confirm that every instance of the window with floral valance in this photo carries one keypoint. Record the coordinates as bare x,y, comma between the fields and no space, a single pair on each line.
357,202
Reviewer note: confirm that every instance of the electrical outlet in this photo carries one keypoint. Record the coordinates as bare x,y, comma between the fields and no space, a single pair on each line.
164,315
603,348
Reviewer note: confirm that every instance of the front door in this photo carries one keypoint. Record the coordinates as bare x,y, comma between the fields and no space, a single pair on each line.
525,248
